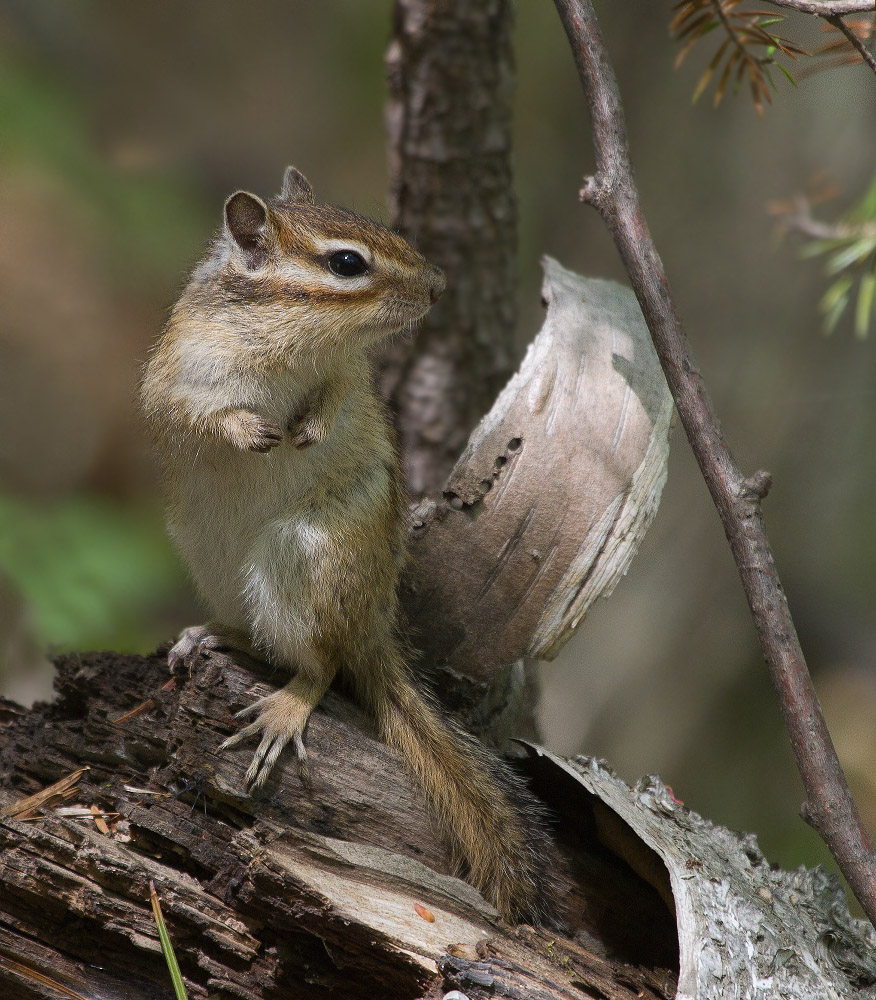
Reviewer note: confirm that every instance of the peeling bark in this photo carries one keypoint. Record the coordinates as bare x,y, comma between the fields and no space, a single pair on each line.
548,503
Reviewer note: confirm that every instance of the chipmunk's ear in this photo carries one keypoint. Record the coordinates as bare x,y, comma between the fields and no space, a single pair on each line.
246,221
296,187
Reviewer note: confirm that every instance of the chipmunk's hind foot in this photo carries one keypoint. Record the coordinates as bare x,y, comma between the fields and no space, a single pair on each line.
281,719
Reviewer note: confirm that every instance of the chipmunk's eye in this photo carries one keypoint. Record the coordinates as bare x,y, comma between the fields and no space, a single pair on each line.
347,264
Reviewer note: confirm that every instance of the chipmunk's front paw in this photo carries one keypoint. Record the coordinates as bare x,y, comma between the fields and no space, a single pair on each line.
265,434
306,431
192,641
248,430
282,717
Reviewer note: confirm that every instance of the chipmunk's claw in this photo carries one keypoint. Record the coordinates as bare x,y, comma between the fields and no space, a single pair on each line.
282,717
192,642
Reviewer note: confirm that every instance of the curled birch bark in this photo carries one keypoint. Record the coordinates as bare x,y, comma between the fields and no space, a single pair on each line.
549,501
745,928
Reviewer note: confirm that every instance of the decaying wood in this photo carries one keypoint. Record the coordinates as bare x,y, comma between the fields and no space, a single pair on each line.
319,888
550,500
337,886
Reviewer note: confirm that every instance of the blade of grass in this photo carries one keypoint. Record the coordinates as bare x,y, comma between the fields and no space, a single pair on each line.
166,947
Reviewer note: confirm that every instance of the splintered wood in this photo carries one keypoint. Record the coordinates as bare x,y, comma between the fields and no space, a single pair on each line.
550,500
47,798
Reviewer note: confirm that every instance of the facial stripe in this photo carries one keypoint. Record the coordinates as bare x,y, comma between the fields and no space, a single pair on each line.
327,247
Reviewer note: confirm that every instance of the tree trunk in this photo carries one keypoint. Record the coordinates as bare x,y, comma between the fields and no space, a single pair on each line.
450,73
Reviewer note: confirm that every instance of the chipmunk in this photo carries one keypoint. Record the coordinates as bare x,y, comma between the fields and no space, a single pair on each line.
285,499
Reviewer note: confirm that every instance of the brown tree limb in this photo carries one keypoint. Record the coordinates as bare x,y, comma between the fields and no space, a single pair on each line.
830,808
853,39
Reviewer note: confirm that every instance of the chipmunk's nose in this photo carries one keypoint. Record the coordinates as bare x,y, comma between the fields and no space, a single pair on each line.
437,284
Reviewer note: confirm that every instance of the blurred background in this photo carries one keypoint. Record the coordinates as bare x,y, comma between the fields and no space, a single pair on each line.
122,129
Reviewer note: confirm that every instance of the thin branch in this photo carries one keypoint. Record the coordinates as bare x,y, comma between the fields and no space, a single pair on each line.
728,27
797,217
612,191
854,41
827,8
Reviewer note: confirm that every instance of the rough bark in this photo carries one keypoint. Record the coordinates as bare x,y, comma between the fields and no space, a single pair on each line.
337,886
310,891
448,114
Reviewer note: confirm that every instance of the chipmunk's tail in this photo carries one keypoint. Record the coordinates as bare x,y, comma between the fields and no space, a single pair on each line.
494,824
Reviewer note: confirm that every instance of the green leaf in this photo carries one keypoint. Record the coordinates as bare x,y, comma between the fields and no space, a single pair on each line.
834,301
787,73
839,289
865,304
176,978
852,254
816,247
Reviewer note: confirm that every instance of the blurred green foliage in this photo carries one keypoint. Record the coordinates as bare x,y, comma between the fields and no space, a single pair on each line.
137,215
852,257
94,573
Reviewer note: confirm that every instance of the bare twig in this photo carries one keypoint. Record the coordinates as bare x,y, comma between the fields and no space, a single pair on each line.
854,41
796,215
612,191
827,8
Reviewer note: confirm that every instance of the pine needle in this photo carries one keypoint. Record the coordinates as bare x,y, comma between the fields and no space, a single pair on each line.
166,947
